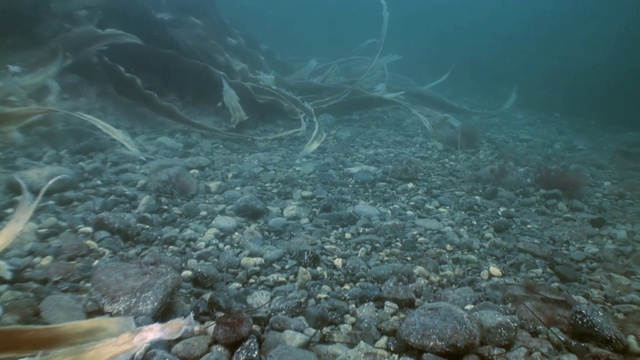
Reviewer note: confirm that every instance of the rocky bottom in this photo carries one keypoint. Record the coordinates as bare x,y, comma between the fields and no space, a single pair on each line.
518,240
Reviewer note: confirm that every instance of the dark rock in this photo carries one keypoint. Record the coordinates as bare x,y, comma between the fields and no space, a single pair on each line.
307,257
172,180
393,290
121,224
250,207
206,275
440,328
495,328
317,316
365,292
598,222
158,354
232,329
282,323
460,297
136,290
406,169
271,341
501,225
63,271
404,273
249,350
565,273
590,323
18,308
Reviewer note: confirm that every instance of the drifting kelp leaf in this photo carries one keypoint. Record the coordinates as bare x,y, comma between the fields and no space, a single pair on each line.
31,80
512,99
125,345
364,44
25,340
316,139
304,111
383,34
441,79
303,74
232,102
85,41
13,118
119,135
130,88
23,213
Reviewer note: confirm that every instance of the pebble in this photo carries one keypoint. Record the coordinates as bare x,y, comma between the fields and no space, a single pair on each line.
226,224
366,211
495,272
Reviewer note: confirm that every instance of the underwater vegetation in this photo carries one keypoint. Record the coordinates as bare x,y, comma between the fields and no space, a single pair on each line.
560,178
225,70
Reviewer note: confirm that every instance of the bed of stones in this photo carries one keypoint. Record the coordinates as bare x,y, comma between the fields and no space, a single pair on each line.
384,243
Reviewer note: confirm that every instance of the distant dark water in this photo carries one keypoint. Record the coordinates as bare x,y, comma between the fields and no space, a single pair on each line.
576,58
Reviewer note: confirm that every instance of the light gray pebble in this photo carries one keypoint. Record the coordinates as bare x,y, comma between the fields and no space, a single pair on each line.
294,212
197,162
366,211
169,142
226,224
258,298
277,223
429,224
295,339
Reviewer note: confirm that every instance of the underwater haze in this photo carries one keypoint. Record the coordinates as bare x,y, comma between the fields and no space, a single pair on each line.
319,179
577,58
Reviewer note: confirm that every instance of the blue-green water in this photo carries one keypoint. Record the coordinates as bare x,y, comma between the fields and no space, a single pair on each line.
576,58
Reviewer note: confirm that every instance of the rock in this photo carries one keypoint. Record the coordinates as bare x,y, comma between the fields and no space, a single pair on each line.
366,211
217,352
285,352
501,225
294,212
589,323
206,275
250,207
440,328
61,308
226,224
158,354
169,142
232,329
121,224
197,162
429,224
495,328
249,350
192,348
295,339
277,223
172,180
136,290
